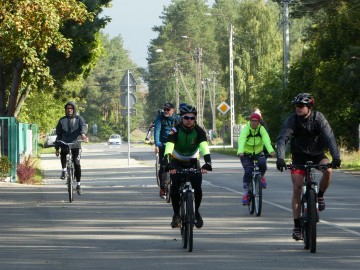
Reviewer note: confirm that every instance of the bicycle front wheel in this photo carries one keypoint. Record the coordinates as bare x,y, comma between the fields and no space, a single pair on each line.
183,228
70,179
251,205
257,194
312,219
190,219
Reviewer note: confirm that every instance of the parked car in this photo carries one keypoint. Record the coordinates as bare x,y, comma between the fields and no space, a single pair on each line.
50,139
115,139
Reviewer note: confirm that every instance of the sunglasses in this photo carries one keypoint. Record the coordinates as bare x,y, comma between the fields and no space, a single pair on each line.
192,118
300,105
166,109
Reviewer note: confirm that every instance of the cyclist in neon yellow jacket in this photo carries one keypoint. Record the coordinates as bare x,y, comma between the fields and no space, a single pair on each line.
252,139
182,151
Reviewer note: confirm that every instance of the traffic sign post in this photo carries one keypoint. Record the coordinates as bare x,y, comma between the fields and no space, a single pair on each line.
127,99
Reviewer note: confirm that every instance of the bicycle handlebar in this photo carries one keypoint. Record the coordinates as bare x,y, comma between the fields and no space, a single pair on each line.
309,166
68,144
188,170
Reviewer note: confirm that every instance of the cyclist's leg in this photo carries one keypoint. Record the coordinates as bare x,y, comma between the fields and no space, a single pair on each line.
162,170
326,178
175,199
196,183
262,168
64,151
76,158
247,165
325,181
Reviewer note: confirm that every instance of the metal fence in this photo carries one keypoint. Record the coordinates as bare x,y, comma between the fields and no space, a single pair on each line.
17,140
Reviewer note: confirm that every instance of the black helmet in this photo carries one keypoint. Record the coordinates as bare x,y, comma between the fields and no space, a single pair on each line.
187,109
304,99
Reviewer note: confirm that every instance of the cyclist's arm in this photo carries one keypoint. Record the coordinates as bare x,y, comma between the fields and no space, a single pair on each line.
285,135
157,129
329,136
242,139
266,140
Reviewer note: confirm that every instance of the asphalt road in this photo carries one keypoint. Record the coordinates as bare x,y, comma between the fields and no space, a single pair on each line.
121,223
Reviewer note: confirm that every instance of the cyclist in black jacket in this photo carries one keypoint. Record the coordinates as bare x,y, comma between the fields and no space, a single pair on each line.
70,129
310,134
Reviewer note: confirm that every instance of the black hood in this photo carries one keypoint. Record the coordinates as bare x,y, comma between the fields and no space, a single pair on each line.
72,103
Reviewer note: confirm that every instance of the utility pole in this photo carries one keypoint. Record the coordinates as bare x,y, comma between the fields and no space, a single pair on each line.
286,57
198,54
232,106
177,86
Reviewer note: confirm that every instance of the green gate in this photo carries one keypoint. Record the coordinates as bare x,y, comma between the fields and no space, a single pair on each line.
16,141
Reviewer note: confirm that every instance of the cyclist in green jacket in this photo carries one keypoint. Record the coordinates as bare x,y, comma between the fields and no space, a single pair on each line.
252,139
184,143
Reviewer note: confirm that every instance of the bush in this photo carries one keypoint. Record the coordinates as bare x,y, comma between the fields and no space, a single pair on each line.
26,171
5,167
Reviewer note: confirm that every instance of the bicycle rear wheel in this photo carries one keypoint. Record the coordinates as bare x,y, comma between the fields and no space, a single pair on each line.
257,194
70,185
183,228
312,219
251,205
190,219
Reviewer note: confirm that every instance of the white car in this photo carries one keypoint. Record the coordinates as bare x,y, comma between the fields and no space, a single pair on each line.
115,139
50,139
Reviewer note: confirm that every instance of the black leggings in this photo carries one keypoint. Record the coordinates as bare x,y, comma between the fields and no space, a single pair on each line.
76,158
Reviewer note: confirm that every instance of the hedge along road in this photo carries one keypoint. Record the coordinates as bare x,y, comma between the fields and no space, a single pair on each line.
121,223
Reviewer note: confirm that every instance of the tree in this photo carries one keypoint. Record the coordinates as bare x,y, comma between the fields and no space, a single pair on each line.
27,30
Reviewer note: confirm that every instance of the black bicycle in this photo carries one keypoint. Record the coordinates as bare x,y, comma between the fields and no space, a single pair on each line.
70,170
187,214
255,187
309,203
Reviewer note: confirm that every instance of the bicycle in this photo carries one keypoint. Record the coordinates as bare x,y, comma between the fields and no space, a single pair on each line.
187,214
255,187
70,170
309,214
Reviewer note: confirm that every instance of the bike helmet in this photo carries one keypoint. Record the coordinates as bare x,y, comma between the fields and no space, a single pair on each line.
304,99
187,109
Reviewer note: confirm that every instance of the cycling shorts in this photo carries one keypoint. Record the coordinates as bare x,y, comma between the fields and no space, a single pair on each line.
301,159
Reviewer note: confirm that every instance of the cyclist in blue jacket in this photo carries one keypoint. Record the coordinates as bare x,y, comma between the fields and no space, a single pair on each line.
165,121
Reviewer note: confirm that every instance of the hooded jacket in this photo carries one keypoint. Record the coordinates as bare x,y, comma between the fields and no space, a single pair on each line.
70,128
252,141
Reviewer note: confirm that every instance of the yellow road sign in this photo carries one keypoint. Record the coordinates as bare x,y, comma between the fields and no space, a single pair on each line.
223,107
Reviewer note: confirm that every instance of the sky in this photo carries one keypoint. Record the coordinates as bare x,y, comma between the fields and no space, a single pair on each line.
133,21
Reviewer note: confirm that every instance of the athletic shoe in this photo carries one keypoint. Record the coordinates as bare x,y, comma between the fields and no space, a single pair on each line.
245,200
263,182
63,175
198,220
321,203
162,193
297,234
175,223
78,190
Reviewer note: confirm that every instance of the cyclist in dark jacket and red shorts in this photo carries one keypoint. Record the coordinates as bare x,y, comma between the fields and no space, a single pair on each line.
184,143
309,134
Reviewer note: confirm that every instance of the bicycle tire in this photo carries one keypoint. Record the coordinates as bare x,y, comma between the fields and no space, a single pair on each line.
183,228
312,219
251,205
257,195
157,168
70,184
190,219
